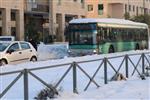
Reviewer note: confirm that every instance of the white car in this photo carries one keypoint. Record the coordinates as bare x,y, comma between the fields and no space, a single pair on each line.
13,52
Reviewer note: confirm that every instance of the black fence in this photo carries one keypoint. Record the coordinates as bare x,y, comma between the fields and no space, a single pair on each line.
126,62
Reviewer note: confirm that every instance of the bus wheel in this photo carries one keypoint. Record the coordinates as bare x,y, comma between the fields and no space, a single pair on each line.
111,49
137,47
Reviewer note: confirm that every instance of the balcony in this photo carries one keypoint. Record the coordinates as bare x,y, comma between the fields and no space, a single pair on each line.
41,8
37,10
35,7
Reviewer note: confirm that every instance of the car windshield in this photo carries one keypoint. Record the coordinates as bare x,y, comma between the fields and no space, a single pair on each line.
3,46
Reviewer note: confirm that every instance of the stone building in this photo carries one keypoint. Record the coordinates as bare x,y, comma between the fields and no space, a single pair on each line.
116,8
50,17
36,18
63,11
12,18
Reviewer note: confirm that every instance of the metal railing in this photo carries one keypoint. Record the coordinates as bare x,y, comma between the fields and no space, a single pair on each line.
105,63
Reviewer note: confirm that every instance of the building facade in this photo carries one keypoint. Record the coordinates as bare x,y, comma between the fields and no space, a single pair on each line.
42,17
48,18
12,18
116,8
36,19
62,12
51,16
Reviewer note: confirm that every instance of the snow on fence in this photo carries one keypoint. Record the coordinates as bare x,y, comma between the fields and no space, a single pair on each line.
80,75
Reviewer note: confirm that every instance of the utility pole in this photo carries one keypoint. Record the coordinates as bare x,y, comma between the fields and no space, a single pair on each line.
51,28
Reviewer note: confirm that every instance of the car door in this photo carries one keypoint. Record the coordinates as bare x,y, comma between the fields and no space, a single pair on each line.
26,50
14,54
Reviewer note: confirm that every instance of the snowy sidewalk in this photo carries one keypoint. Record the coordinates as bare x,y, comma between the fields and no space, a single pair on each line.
132,89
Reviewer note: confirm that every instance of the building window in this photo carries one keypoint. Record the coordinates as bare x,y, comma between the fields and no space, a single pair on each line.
90,7
145,10
13,16
129,7
0,15
125,7
137,11
100,9
82,1
59,2
133,8
141,9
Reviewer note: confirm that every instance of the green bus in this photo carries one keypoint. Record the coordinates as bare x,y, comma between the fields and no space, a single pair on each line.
106,35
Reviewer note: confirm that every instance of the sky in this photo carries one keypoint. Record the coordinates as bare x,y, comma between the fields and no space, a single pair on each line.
132,88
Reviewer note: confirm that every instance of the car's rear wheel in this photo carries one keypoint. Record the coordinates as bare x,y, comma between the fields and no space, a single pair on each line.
3,62
33,59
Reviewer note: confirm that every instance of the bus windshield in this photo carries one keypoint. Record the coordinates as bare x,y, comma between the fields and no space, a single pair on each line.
82,34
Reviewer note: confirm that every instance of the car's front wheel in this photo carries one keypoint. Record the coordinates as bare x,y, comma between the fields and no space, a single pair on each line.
3,62
33,59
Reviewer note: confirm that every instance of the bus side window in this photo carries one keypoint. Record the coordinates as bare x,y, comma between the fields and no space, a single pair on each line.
102,35
105,34
130,34
145,34
111,34
114,34
98,38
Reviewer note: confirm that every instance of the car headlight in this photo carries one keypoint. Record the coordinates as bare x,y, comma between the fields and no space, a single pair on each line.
97,50
94,51
69,51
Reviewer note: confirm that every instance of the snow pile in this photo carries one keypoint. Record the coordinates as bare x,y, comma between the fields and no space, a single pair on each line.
52,51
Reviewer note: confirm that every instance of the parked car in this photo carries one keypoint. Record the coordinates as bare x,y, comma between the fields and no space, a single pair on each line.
7,38
12,52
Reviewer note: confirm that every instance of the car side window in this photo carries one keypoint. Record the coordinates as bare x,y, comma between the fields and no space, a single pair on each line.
25,46
14,47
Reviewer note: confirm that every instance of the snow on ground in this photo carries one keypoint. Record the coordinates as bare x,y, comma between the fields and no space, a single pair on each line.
133,88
